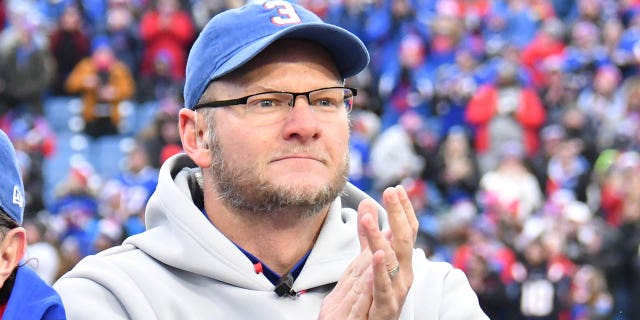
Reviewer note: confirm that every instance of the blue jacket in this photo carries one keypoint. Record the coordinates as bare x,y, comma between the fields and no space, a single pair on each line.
32,298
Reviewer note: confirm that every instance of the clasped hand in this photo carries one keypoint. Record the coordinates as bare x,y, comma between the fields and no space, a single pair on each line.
376,283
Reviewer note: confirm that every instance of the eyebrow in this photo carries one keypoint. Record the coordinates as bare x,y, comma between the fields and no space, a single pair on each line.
256,88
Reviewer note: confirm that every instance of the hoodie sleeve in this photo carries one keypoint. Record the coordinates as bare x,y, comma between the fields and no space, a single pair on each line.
102,287
440,291
86,299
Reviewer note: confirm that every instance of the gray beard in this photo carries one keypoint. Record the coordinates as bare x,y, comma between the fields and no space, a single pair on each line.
243,190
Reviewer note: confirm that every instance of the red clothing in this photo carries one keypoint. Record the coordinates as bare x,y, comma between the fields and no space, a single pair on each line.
502,258
174,40
612,204
534,54
480,8
530,115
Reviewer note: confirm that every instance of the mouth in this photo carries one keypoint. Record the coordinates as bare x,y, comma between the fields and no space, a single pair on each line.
298,157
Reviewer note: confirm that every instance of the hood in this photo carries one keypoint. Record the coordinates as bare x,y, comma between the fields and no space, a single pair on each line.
180,235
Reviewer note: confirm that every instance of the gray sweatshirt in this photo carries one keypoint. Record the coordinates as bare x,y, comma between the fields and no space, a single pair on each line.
182,267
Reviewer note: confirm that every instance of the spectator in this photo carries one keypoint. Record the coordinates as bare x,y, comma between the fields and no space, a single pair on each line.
23,294
456,85
489,287
103,83
203,10
74,213
505,112
124,37
555,92
70,43
542,293
25,71
364,126
457,173
125,196
351,15
551,137
548,42
514,22
628,244
578,125
590,295
568,170
403,83
584,55
42,256
481,242
393,154
161,83
161,138
604,104
169,28
511,189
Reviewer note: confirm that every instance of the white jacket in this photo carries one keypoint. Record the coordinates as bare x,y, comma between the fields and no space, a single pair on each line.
182,267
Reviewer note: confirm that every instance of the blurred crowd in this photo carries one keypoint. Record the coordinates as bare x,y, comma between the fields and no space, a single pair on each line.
513,124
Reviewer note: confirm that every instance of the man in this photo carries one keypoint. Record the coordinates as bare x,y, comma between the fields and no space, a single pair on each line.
257,221
23,295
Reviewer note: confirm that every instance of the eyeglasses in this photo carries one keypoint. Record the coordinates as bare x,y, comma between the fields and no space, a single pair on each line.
326,103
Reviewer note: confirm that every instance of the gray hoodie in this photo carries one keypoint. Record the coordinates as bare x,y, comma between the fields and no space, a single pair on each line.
182,267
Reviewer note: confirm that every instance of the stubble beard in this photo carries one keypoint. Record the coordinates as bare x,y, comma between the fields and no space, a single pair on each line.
243,189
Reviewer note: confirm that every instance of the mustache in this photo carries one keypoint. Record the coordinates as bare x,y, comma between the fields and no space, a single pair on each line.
300,150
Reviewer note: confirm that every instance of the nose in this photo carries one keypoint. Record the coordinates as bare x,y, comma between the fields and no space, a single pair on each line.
301,122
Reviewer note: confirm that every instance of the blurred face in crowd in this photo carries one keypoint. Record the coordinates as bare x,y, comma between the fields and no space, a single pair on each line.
167,6
103,57
412,51
535,253
119,18
589,9
633,96
401,8
299,162
138,159
465,60
71,19
606,81
611,33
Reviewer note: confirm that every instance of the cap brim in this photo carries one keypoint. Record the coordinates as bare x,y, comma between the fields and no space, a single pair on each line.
347,51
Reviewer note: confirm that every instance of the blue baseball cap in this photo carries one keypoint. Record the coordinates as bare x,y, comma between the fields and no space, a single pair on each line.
232,38
11,188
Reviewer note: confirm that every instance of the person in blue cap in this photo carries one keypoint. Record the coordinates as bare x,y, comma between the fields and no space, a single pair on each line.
256,220
23,294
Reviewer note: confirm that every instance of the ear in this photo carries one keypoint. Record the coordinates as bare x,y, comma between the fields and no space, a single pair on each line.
192,128
12,250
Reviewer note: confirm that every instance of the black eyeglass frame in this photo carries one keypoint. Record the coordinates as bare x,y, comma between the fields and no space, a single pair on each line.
245,99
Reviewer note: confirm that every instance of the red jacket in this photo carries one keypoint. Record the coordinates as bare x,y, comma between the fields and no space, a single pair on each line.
530,114
173,39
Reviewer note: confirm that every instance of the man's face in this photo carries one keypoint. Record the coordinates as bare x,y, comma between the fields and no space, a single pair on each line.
298,164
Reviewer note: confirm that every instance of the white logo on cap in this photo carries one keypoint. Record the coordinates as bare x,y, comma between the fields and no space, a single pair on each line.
287,12
18,198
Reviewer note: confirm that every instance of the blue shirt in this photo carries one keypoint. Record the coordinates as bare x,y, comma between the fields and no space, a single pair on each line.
32,298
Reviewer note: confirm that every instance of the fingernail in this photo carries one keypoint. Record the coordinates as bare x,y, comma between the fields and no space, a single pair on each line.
394,196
